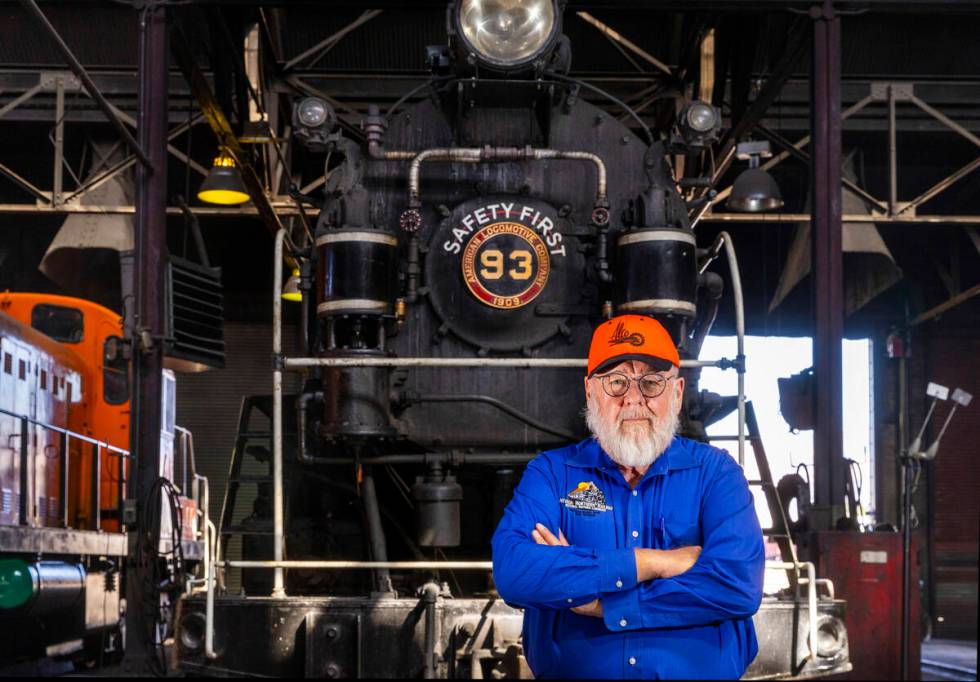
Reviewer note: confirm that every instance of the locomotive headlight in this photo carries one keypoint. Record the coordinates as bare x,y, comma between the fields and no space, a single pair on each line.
507,33
312,112
702,117
698,125
313,121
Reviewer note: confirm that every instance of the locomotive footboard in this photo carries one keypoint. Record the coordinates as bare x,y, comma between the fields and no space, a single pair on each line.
363,637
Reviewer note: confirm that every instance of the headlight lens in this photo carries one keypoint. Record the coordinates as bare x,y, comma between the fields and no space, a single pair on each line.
506,32
312,112
701,117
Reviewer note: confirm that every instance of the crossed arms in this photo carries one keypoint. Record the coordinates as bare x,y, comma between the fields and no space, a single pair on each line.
643,588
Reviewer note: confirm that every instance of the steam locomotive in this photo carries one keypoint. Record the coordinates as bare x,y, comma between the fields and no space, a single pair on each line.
64,438
464,251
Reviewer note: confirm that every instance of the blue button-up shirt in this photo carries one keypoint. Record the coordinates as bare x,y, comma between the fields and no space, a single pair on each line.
697,625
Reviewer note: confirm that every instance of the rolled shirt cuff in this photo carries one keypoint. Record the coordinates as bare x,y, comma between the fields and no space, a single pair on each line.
622,611
617,570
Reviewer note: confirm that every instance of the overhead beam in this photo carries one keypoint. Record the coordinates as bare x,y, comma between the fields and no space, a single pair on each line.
625,42
90,87
330,41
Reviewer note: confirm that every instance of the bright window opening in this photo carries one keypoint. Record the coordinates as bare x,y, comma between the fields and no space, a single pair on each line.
767,359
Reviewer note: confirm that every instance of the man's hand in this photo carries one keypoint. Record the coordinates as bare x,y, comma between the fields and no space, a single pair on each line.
543,536
664,563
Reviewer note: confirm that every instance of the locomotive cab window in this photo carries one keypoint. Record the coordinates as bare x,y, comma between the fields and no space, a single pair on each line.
59,322
115,372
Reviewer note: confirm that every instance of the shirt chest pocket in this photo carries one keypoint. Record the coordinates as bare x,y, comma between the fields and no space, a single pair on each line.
682,529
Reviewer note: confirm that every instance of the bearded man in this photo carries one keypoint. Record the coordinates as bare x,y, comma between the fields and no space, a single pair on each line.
636,553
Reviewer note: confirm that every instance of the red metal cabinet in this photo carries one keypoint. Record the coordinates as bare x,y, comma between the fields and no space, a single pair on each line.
867,571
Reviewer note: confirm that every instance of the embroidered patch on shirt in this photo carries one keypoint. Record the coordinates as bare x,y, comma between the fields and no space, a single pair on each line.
586,498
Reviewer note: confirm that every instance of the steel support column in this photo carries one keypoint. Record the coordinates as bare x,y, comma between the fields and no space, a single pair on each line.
150,253
828,303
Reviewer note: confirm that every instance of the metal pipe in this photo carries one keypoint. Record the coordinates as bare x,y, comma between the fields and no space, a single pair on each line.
488,153
26,490
97,487
525,363
90,86
725,240
376,533
278,584
302,402
209,604
286,210
892,154
430,595
811,583
59,141
64,479
366,565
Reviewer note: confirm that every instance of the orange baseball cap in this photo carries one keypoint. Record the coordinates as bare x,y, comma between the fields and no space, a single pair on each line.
632,337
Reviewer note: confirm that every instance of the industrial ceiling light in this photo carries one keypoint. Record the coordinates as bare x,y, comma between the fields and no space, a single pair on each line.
224,184
507,33
291,291
754,191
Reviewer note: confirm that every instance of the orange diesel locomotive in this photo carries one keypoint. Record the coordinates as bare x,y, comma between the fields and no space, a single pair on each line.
64,435
61,364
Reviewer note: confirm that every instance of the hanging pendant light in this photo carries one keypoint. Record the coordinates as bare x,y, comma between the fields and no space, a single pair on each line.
290,290
224,184
754,191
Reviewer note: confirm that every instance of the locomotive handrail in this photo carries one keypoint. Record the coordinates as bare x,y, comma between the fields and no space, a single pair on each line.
491,154
526,363
118,452
64,457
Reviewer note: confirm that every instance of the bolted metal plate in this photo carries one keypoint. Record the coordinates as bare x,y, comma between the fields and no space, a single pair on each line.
332,645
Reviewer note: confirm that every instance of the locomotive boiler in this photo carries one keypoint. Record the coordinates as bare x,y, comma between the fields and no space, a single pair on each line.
464,251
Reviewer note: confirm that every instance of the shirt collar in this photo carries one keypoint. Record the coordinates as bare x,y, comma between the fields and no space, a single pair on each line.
588,454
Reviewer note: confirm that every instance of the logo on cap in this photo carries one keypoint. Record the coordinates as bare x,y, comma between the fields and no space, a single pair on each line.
623,335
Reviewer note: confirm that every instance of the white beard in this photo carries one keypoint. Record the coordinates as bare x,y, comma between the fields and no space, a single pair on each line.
634,446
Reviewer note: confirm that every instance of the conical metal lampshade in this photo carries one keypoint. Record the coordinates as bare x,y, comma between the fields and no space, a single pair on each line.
755,191
290,291
224,184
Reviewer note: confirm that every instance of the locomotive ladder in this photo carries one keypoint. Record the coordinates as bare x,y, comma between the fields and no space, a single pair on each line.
779,531
244,445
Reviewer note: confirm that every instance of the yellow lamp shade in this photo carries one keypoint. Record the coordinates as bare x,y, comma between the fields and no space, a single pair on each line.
291,292
223,185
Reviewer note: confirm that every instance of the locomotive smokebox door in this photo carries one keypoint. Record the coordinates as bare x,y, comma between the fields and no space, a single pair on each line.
495,263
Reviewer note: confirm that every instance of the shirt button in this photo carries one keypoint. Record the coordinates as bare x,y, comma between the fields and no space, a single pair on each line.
622,623
632,661
636,534
569,600
619,583
634,493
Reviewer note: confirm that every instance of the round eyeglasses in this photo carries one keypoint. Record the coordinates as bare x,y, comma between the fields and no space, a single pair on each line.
617,385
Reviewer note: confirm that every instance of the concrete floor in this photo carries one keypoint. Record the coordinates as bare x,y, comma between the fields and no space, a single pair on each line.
948,659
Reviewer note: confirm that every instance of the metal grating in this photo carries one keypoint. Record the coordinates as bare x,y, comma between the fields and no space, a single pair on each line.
195,316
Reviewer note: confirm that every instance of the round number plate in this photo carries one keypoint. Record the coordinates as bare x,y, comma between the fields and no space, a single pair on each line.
505,265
